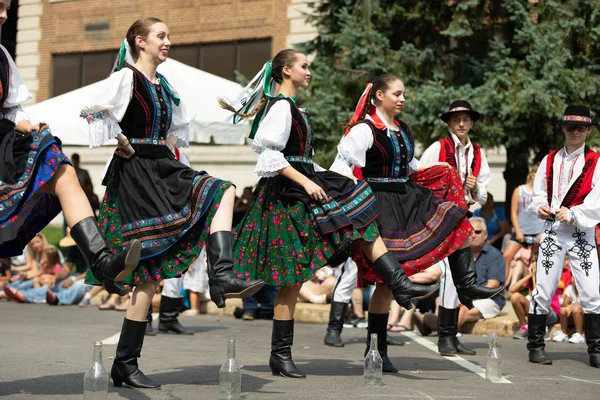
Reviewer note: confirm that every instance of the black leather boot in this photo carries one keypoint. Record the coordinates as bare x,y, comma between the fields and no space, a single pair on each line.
125,366
336,322
223,283
108,268
282,339
536,325
448,343
462,267
395,278
167,317
149,330
591,323
378,325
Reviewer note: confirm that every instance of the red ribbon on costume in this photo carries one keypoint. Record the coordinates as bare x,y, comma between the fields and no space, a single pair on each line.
362,103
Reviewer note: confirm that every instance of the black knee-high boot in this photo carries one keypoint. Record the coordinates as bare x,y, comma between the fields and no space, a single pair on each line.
448,343
336,323
108,268
223,283
592,337
536,329
395,278
125,366
282,339
462,267
167,318
378,325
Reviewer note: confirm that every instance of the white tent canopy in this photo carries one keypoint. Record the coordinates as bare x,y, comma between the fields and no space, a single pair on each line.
198,89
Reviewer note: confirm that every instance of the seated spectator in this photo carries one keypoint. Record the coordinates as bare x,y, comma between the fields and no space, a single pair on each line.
86,301
319,288
520,300
23,279
259,306
68,292
4,271
496,223
526,225
490,271
356,317
571,313
517,267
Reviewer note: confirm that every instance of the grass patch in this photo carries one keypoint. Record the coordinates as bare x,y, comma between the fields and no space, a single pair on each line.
53,234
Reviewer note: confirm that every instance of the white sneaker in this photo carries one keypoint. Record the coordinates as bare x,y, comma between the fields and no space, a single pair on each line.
560,336
577,338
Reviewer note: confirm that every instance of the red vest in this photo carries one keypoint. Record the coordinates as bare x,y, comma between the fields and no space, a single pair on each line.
447,154
582,185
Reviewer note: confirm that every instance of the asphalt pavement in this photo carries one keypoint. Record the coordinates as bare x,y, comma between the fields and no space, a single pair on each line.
46,350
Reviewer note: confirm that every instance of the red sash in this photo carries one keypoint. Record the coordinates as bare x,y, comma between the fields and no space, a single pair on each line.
582,185
447,154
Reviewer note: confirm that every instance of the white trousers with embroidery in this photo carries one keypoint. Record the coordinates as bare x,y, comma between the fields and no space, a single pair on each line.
448,293
558,240
346,282
172,287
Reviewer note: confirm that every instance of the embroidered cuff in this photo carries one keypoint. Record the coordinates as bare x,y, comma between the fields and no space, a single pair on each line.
270,162
571,218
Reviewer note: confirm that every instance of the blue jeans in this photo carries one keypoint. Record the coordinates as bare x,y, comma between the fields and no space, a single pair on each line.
266,298
22,284
66,296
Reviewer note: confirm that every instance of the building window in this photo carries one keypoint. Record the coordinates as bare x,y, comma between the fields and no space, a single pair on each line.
223,58
72,71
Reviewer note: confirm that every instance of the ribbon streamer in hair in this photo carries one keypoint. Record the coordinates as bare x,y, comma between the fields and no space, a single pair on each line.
362,103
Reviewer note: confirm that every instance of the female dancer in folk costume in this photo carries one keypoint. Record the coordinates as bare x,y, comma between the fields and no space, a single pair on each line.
171,209
422,208
303,217
37,180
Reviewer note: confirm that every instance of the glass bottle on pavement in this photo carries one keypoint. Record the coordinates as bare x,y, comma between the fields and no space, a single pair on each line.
373,367
230,376
95,380
493,365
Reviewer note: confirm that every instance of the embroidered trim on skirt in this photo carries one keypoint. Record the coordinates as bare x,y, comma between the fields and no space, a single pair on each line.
284,238
169,212
422,226
28,162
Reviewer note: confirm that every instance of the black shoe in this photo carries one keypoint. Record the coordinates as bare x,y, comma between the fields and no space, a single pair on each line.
592,337
378,325
149,330
238,312
108,268
223,283
448,343
462,267
282,339
353,321
536,325
395,278
249,314
334,327
167,317
125,366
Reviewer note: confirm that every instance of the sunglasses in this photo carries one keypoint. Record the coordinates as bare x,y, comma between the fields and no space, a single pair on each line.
579,129
478,231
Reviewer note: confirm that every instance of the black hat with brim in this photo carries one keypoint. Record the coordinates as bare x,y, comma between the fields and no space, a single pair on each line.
577,116
460,106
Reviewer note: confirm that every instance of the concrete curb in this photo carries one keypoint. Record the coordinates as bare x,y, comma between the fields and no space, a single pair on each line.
504,325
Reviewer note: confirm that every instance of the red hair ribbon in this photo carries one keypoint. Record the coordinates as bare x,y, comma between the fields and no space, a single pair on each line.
362,103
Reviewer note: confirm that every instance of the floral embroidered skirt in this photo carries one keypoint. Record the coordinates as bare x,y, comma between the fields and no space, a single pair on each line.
421,226
285,237
165,205
28,162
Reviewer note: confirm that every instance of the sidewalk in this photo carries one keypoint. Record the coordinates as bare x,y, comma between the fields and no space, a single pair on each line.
504,325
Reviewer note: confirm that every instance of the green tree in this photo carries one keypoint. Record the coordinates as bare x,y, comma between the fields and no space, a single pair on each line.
519,62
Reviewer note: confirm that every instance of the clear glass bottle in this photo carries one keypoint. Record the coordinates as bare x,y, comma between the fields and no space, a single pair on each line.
95,381
373,368
493,364
230,376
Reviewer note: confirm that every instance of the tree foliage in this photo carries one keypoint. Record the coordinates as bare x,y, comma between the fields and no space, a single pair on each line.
519,62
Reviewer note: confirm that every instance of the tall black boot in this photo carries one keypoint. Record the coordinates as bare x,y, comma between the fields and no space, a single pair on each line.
167,317
592,337
536,325
223,283
395,278
448,343
378,325
149,330
125,366
108,268
282,339
336,322
462,267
